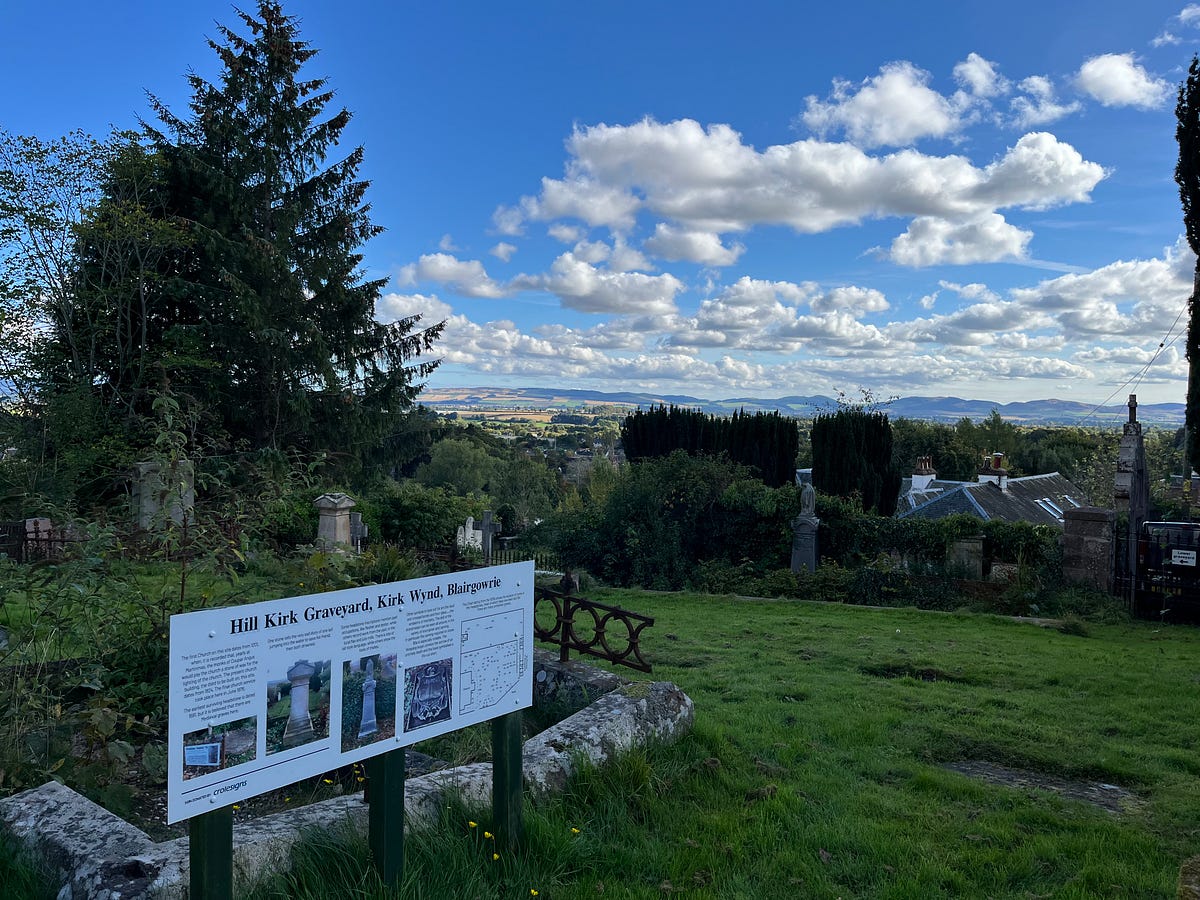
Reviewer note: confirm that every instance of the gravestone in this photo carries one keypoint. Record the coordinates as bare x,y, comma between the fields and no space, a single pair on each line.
299,726
163,493
490,529
469,536
804,533
368,725
359,530
333,529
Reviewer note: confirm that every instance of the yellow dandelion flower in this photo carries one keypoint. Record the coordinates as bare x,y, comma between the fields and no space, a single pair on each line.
487,834
236,807
495,856
328,780
574,831
472,824
533,892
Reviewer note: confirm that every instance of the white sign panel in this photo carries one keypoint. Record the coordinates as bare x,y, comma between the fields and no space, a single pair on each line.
1183,557
267,694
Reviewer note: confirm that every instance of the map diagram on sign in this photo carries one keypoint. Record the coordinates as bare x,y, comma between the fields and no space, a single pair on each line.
492,658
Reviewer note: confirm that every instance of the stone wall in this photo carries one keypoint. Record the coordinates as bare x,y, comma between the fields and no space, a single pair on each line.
1088,546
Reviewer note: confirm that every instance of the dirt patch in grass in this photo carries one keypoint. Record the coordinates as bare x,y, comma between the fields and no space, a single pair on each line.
1111,798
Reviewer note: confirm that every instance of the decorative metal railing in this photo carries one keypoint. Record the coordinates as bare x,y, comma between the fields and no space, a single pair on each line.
584,626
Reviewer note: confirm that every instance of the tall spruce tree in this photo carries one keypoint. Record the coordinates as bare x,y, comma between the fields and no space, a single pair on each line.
1187,175
270,319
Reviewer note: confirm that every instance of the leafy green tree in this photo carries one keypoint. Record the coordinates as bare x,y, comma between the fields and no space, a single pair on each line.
912,439
528,487
460,465
1187,176
271,320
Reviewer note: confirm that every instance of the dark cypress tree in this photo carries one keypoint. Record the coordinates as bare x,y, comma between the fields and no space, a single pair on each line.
1187,175
270,303
852,454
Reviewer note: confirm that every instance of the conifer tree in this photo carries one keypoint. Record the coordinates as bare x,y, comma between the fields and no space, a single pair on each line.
1187,175
852,454
271,319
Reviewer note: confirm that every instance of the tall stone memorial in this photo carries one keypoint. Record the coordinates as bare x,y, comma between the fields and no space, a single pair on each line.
333,528
804,533
1131,490
299,726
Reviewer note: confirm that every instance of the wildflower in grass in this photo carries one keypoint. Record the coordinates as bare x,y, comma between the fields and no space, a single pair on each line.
472,824
287,799
533,892
495,856
574,831
488,834
236,807
328,780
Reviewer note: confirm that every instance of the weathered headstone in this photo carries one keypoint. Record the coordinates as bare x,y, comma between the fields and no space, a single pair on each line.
804,533
299,726
333,528
368,725
163,493
469,536
804,543
359,530
490,529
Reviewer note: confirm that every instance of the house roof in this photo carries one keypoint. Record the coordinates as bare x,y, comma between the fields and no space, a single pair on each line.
1040,499
911,499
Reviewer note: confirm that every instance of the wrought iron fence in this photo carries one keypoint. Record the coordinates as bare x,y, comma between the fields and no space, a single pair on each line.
572,634
26,541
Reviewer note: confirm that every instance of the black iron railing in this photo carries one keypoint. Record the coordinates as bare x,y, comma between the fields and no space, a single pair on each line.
587,627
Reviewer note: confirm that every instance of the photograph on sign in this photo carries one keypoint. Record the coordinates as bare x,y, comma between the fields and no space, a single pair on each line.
427,692
301,714
267,694
368,700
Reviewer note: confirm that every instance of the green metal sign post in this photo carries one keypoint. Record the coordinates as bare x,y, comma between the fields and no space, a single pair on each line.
210,855
506,781
385,815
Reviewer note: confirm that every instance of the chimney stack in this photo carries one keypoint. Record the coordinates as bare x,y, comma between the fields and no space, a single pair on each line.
923,474
993,471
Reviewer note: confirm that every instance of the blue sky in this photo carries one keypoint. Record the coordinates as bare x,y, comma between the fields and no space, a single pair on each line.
724,200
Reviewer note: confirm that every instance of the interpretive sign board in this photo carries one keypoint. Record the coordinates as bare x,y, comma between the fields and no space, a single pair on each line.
288,689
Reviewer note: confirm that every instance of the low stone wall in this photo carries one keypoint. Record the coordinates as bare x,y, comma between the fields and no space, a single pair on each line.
102,857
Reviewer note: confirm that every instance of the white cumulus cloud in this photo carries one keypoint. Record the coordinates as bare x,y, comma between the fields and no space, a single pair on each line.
932,241
503,251
702,247
894,108
467,276
980,76
1038,104
1115,79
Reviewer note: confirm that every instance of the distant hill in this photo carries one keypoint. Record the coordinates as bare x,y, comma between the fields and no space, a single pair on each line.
935,409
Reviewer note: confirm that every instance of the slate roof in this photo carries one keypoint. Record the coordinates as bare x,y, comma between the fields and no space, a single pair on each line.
1039,499
910,499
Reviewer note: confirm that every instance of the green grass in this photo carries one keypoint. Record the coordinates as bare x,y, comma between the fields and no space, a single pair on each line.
21,876
816,767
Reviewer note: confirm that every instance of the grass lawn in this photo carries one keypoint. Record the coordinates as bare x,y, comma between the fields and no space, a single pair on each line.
817,767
